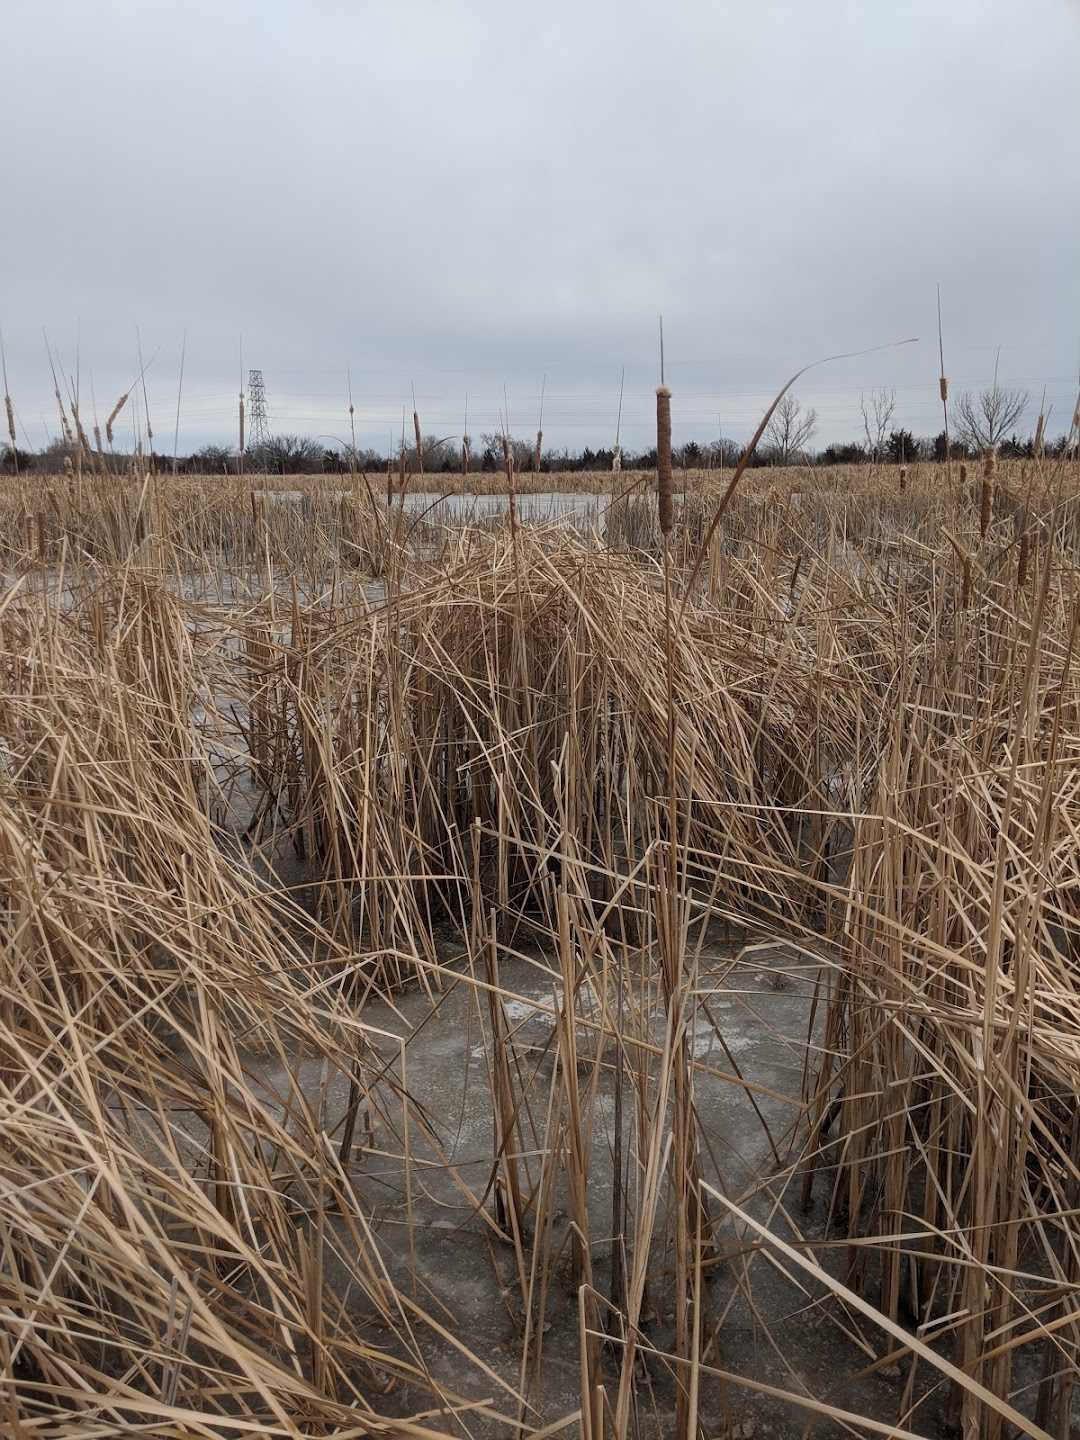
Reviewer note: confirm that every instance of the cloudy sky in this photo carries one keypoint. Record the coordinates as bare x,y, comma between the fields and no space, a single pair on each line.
478,198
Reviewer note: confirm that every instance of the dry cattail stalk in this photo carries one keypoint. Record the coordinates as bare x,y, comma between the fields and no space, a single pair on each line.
123,401
64,423
84,443
508,460
663,457
987,506
11,431
965,560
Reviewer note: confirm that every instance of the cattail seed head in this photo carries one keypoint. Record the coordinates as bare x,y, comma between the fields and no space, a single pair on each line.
1037,448
903,478
419,442
616,459
10,409
241,424
1025,552
536,457
84,443
987,506
64,424
466,440
943,386
508,459
663,458
123,401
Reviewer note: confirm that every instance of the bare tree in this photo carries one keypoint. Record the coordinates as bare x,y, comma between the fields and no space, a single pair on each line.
521,451
285,455
982,421
877,414
790,430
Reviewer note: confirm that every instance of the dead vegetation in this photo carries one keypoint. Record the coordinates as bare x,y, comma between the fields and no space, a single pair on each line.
263,819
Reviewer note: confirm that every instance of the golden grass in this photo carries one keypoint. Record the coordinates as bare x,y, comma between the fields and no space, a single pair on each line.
857,731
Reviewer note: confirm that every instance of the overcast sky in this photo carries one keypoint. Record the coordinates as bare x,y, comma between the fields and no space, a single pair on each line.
468,196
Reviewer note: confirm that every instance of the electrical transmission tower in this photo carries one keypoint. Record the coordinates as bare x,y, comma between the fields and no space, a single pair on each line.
258,430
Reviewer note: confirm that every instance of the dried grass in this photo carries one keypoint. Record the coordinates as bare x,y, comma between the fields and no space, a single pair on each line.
826,712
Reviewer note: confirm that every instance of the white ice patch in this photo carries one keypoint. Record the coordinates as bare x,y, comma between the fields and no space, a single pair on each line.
707,1044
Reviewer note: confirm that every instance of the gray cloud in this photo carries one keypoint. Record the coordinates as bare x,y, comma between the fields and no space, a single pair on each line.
471,196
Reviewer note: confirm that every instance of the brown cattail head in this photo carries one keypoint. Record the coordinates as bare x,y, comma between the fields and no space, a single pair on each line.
663,457
97,439
419,442
943,386
466,440
64,424
1037,448
508,460
987,506
536,457
965,589
903,478
84,443
795,573
123,401
1025,551
10,409
616,458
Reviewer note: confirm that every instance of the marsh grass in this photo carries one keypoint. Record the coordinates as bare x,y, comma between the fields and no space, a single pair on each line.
274,768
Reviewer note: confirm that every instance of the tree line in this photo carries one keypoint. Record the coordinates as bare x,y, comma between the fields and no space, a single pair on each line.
980,420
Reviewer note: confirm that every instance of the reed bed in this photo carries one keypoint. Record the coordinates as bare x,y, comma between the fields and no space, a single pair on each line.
744,914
